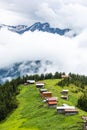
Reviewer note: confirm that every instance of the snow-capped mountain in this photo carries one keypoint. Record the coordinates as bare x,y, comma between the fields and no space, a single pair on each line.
45,27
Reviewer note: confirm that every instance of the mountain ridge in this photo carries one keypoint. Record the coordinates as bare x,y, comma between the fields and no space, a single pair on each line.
44,27
22,69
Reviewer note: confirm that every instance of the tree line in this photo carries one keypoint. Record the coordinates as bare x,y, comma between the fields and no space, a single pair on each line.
81,82
8,101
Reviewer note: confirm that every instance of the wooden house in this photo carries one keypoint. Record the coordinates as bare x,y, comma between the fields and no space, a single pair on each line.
40,85
67,110
52,102
43,90
84,118
70,111
46,95
30,81
65,92
64,97
60,109
85,126
52,99
85,122
64,76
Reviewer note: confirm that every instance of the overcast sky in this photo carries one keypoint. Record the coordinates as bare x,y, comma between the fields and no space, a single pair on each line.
60,13
68,54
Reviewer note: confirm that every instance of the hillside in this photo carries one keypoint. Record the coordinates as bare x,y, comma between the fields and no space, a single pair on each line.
33,114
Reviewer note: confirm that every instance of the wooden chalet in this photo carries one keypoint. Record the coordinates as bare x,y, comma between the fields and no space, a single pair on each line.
65,92
84,118
46,95
52,99
64,76
67,110
85,126
30,81
61,109
52,102
64,97
85,122
70,111
40,84
43,90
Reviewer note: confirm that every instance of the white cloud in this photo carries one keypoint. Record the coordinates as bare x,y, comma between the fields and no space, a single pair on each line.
67,54
59,13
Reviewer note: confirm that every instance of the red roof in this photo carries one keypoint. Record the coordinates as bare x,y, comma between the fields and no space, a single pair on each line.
52,99
52,102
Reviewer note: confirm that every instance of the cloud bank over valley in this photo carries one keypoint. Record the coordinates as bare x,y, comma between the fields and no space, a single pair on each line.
66,53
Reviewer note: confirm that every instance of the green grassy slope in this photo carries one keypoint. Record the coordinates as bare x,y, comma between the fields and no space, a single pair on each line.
33,114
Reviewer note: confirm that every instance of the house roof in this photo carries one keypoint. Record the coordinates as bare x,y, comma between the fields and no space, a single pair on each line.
65,90
64,76
40,83
31,81
47,92
52,99
65,107
52,102
43,90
